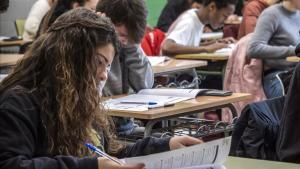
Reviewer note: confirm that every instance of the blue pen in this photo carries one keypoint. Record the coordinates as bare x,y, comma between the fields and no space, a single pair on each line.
101,153
148,103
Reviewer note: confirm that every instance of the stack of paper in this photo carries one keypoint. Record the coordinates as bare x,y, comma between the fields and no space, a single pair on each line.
143,100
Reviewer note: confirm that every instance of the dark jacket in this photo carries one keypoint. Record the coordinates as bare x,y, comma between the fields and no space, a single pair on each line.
23,139
288,143
256,131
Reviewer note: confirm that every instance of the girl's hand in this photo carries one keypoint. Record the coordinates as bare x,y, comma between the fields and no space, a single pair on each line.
183,141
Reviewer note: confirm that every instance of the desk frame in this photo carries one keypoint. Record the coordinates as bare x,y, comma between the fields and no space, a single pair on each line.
151,123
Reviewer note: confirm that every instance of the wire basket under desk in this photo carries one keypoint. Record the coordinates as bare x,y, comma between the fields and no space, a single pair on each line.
199,128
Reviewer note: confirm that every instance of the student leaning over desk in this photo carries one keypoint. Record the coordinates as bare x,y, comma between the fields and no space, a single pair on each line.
184,35
49,104
131,69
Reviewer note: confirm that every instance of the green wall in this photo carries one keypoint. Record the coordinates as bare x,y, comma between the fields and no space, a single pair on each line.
154,9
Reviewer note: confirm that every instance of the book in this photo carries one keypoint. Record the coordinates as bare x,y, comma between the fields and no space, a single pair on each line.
202,156
152,98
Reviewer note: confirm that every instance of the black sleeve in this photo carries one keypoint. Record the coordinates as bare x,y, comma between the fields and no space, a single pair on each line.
288,147
146,146
19,138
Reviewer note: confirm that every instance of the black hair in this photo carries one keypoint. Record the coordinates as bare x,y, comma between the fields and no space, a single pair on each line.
220,3
4,5
131,13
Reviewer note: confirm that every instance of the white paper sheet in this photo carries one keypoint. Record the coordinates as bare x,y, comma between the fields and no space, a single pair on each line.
156,60
226,50
208,155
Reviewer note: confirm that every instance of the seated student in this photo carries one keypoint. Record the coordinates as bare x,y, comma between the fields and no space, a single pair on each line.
172,10
57,9
60,7
131,69
251,13
49,104
288,149
184,36
275,37
35,16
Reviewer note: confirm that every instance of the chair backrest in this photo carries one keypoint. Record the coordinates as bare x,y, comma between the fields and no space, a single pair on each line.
19,24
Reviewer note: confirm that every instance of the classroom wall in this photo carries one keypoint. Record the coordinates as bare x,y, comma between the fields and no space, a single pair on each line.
18,9
154,9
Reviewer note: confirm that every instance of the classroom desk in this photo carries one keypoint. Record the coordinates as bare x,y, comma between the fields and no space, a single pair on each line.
205,56
11,43
176,65
220,57
9,59
193,106
293,59
246,163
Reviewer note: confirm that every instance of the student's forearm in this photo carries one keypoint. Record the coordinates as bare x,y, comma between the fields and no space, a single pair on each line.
174,49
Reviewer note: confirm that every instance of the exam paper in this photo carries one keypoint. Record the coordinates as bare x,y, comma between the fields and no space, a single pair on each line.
207,155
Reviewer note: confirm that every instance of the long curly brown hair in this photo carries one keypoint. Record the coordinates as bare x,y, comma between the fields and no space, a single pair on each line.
61,64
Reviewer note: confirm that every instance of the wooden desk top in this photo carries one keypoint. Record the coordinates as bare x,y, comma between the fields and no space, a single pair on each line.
201,102
173,65
246,163
11,43
293,59
9,59
204,56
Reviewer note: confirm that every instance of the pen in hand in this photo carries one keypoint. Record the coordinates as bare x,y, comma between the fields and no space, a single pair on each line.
102,154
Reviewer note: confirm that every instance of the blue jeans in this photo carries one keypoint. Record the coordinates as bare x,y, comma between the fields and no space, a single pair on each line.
272,85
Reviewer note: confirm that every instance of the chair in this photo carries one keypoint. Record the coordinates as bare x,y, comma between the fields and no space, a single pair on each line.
20,24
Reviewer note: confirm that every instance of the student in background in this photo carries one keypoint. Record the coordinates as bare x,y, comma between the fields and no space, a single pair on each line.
62,6
275,37
58,8
49,104
173,9
131,69
184,36
4,5
251,13
35,16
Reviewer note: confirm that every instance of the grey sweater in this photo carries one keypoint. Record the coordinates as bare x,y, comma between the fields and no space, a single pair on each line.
130,70
275,37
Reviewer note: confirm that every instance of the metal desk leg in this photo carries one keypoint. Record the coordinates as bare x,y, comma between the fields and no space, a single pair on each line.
233,110
149,126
